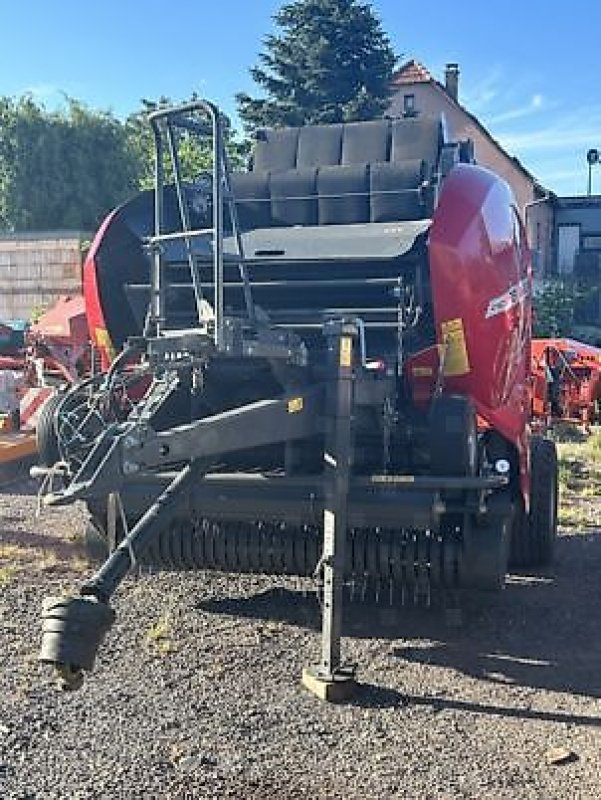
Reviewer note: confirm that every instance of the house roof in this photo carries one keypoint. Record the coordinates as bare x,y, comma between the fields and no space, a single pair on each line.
412,72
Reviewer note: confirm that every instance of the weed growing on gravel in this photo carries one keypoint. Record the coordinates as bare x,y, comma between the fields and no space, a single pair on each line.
21,556
6,575
14,552
159,637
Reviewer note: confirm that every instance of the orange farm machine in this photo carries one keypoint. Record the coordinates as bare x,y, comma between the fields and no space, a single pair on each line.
53,351
318,367
566,382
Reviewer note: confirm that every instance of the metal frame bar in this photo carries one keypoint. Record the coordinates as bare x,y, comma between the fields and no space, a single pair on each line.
337,464
185,218
172,118
261,423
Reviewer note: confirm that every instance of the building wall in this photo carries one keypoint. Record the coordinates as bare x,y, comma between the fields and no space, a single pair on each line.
585,213
431,100
540,227
36,269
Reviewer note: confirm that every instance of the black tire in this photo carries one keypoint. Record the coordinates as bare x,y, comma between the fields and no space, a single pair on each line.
485,554
47,442
534,534
453,436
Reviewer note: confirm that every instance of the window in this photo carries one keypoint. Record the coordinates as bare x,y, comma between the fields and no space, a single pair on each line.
568,244
409,105
591,242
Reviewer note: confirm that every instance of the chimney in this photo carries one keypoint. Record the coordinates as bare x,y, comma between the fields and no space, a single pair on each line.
451,80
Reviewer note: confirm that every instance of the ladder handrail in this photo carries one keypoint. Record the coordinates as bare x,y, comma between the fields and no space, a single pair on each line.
172,118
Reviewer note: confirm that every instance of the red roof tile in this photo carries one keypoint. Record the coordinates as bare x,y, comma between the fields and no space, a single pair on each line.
411,72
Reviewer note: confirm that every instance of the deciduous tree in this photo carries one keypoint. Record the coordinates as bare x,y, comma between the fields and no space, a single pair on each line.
63,169
195,155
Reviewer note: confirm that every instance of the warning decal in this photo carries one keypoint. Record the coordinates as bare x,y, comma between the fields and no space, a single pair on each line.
456,361
346,351
103,340
295,404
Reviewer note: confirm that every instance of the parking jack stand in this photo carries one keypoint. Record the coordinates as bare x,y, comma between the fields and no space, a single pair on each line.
330,680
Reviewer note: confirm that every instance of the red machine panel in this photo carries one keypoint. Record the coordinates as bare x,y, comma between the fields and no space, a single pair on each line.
96,318
480,274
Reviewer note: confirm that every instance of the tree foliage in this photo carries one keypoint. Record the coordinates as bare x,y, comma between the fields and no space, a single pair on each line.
332,62
196,156
69,168
555,306
61,169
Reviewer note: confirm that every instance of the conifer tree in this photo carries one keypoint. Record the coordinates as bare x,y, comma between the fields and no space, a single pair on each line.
331,62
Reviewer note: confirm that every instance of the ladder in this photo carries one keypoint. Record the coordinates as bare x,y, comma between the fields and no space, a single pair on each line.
203,120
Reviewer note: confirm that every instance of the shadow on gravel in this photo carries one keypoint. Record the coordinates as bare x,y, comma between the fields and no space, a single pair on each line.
274,605
14,478
379,697
14,540
541,632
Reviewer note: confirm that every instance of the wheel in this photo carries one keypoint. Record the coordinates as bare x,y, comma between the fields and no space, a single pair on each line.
534,534
47,440
453,436
485,554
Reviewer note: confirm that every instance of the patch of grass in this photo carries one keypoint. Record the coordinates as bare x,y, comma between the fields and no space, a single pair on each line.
6,575
572,517
579,474
26,556
590,490
159,637
580,513
564,473
593,447
14,552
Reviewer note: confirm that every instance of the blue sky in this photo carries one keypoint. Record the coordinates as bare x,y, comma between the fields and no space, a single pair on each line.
531,71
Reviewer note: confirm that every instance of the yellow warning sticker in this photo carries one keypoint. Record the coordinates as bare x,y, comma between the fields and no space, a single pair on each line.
422,372
346,351
456,360
103,340
295,404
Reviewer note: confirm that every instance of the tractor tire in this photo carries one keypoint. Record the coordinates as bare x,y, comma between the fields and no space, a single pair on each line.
453,436
47,442
534,534
486,555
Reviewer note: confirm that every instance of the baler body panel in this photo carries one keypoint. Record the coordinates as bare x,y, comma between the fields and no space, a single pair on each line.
299,275
480,276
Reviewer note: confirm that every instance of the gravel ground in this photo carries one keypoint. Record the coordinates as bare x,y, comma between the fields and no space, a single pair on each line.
196,692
